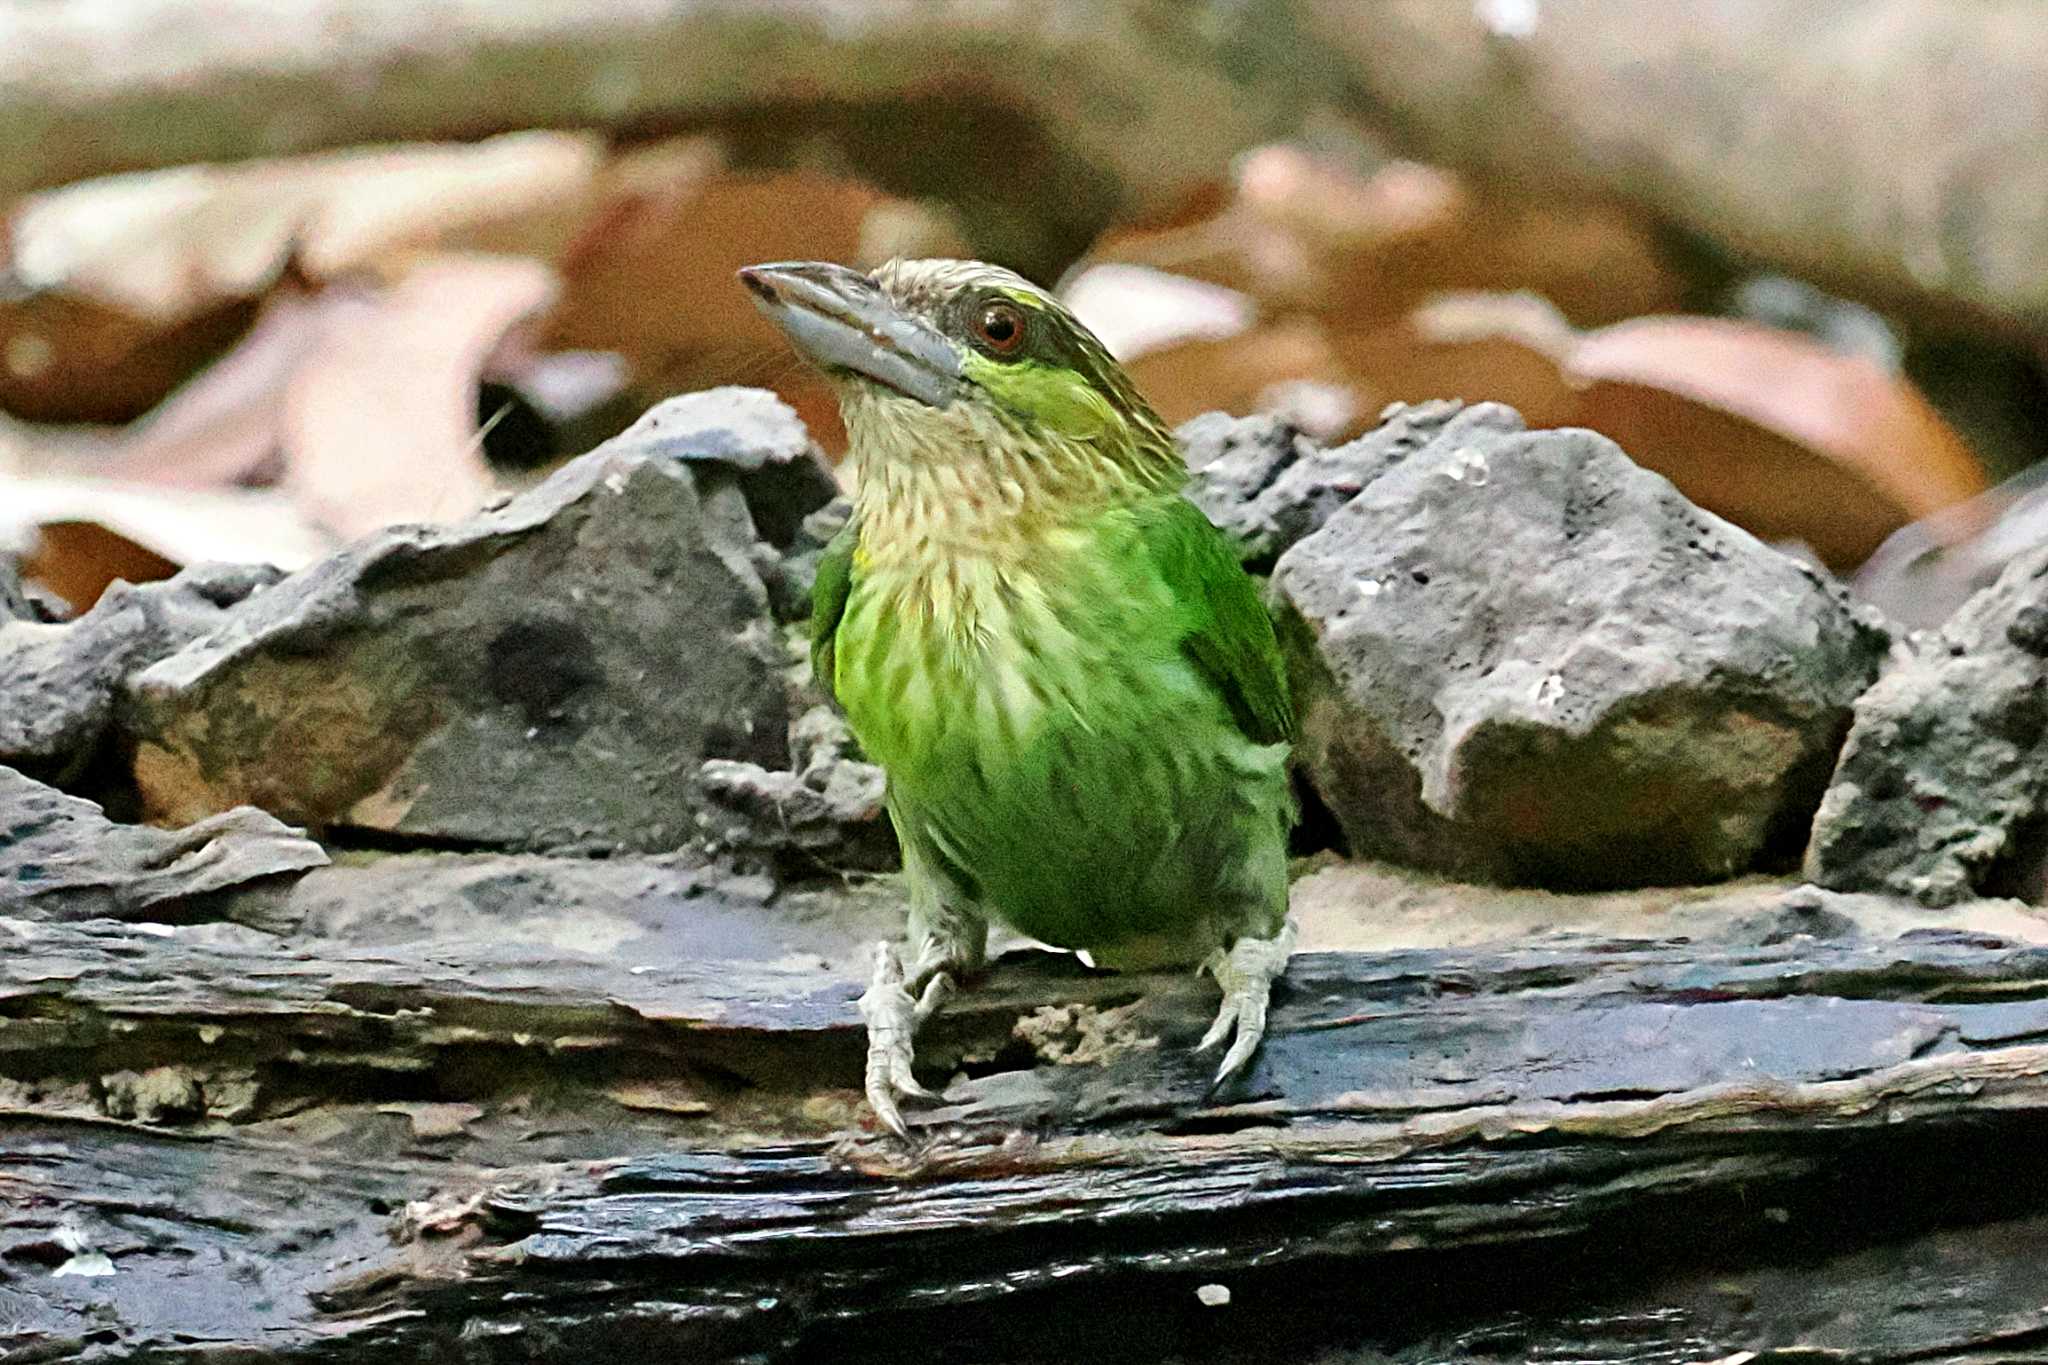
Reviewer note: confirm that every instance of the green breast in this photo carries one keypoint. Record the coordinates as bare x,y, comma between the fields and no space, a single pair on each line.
1045,731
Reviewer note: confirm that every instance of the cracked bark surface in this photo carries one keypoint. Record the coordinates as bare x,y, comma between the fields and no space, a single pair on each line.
612,1106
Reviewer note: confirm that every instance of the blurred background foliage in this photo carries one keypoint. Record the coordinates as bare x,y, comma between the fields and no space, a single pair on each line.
280,272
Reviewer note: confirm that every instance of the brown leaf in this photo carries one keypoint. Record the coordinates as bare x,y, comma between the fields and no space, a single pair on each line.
1774,430
79,560
1303,235
136,282
82,534
66,358
1489,347
652,277
1236,374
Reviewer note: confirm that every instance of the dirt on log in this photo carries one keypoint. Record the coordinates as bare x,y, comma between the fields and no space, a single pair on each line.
531,1108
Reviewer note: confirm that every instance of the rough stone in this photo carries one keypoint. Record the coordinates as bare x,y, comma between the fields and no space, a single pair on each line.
1941,787
1521,658
829,810
746,434
794,573
59,682
547,675
1268,485
61,858
16,604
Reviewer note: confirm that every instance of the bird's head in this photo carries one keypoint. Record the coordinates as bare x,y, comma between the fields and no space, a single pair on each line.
969,367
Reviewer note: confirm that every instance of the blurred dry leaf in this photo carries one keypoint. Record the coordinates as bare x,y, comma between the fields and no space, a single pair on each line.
79,560
380,421
1235,373
77,535
124,288
222,428
653,277
1133,309
1769,428
1774,430
362,402
163,245
65,358
1301,235
1502,348
1924,572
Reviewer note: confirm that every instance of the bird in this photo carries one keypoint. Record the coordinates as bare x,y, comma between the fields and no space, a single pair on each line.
1071,683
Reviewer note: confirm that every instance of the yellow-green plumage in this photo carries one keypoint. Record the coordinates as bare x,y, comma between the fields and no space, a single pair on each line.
1068,678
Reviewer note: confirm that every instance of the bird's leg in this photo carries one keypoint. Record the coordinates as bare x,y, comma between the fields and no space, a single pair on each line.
950,940
1246,972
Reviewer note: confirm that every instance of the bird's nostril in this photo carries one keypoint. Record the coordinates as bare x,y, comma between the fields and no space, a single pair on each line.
756,281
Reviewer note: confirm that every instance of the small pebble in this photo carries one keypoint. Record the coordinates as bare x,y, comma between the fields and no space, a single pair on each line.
1213,1295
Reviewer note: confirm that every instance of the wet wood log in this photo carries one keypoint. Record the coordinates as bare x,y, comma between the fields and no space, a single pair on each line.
608,1108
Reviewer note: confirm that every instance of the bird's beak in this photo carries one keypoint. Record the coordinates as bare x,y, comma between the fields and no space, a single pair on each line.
841,319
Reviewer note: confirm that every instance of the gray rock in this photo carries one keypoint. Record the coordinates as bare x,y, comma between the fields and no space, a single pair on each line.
1521,658
549,675
747,434
1940,791
829,811
15,602
61,858
1268,485
795,572
58,683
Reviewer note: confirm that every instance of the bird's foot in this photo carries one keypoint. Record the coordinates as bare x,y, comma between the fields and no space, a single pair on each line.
1246,973
893,1016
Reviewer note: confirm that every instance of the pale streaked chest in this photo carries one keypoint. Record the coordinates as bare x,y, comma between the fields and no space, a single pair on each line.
929,659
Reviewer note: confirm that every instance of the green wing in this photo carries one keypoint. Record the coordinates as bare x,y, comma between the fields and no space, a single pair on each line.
828,602
1227,631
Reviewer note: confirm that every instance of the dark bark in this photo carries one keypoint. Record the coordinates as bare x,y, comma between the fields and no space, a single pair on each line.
601,1107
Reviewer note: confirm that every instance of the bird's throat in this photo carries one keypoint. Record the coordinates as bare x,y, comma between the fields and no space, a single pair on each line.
966,483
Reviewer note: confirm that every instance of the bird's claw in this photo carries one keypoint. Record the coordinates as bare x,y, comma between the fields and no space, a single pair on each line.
892,1018
1246,973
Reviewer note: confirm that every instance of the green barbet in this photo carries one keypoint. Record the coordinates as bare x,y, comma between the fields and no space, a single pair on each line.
1068,678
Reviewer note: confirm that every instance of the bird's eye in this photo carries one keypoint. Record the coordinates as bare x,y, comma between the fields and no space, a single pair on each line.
1000,327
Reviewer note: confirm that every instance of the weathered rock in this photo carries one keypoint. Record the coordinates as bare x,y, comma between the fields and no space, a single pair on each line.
794,572
16,604
746,434
829,811
58,683
1267,484
1941,789
1521,658
550,674
61,858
